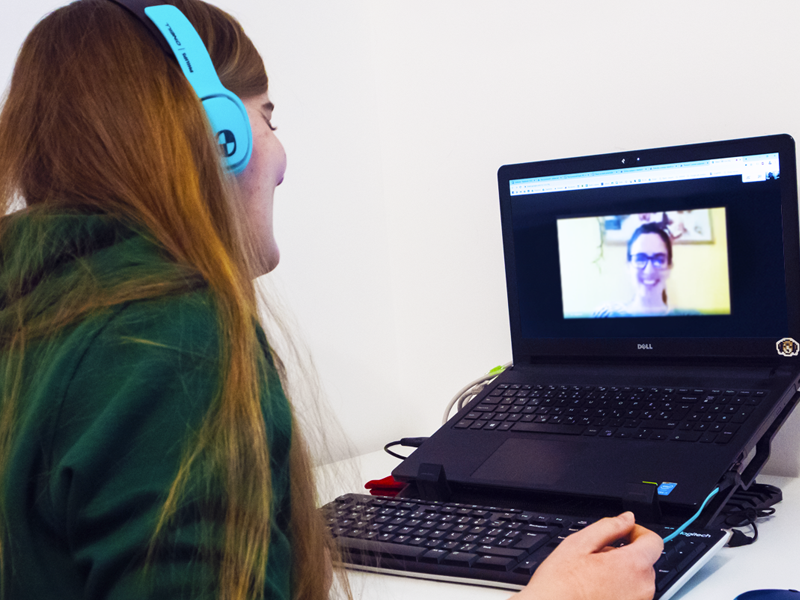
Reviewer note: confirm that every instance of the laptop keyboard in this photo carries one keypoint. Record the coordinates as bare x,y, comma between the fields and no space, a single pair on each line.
640,413
480,544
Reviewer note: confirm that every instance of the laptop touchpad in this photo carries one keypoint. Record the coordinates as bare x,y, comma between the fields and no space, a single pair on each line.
530,461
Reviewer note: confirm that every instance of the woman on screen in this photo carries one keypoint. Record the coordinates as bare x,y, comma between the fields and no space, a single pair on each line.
649,265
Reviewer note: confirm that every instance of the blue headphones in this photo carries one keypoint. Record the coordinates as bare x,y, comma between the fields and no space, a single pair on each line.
225,110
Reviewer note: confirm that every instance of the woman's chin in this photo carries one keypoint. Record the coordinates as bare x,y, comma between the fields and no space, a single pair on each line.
651,289
267,261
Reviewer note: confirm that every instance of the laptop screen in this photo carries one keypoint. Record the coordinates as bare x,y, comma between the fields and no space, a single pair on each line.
684,251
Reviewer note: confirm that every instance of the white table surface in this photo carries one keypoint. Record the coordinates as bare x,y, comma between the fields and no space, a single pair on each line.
772,562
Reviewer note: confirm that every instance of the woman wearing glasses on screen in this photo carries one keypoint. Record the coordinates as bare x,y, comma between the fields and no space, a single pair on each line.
649,264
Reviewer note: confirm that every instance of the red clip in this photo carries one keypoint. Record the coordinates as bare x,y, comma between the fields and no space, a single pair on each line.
388,486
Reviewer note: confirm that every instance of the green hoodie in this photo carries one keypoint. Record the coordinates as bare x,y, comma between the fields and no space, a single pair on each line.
105,411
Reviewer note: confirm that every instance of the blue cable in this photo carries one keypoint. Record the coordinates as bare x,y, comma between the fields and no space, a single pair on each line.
680,529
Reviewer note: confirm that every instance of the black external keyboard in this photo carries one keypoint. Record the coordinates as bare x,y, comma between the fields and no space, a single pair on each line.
486,545
637,413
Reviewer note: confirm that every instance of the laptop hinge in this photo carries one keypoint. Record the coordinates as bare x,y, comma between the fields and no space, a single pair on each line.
777,366
785,372
730,483
763,446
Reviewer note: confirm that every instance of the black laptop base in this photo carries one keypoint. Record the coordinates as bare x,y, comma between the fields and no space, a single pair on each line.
736,491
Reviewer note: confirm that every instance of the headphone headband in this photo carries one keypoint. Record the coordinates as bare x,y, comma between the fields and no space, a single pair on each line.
136,8
178,38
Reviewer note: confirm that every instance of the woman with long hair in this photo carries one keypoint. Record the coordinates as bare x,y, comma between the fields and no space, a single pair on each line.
147,447
143,427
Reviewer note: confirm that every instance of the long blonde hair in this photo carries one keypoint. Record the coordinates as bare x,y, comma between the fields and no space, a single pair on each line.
110,125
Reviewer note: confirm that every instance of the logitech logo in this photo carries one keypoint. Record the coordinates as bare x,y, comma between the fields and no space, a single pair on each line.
644,346
693,534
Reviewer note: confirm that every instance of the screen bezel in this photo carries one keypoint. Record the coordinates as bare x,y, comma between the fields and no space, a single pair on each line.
760,348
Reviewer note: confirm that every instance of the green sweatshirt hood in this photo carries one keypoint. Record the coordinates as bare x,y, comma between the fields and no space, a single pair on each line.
57,262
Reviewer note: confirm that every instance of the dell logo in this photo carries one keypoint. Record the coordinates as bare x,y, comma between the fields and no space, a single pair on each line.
227,141
644,346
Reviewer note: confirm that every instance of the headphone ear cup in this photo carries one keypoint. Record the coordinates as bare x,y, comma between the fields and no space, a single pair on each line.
231,126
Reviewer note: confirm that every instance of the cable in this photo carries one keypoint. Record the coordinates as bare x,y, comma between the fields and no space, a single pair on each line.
680,529
464,395
743,518
389,452
468,392
408,442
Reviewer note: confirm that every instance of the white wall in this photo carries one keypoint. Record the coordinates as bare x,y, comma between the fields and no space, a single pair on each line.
396,116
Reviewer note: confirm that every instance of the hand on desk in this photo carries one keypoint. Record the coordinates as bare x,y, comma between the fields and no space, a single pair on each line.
585,567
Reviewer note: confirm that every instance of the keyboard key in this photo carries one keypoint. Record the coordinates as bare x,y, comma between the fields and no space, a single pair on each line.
528,566
542,528
450,545
686,436
433,556
495,563
498,551
531,541
467,547
460,559
663,578
626,434
548,428
662,424
397,550
688,399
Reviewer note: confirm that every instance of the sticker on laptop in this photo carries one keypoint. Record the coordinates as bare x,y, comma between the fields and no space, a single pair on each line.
665,488
788,347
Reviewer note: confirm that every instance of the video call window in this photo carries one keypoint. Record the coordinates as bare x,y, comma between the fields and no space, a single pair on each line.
661,264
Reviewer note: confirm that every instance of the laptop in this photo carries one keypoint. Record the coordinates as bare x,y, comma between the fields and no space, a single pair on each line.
654,303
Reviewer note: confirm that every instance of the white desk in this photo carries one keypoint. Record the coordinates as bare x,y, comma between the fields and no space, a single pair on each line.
772,562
